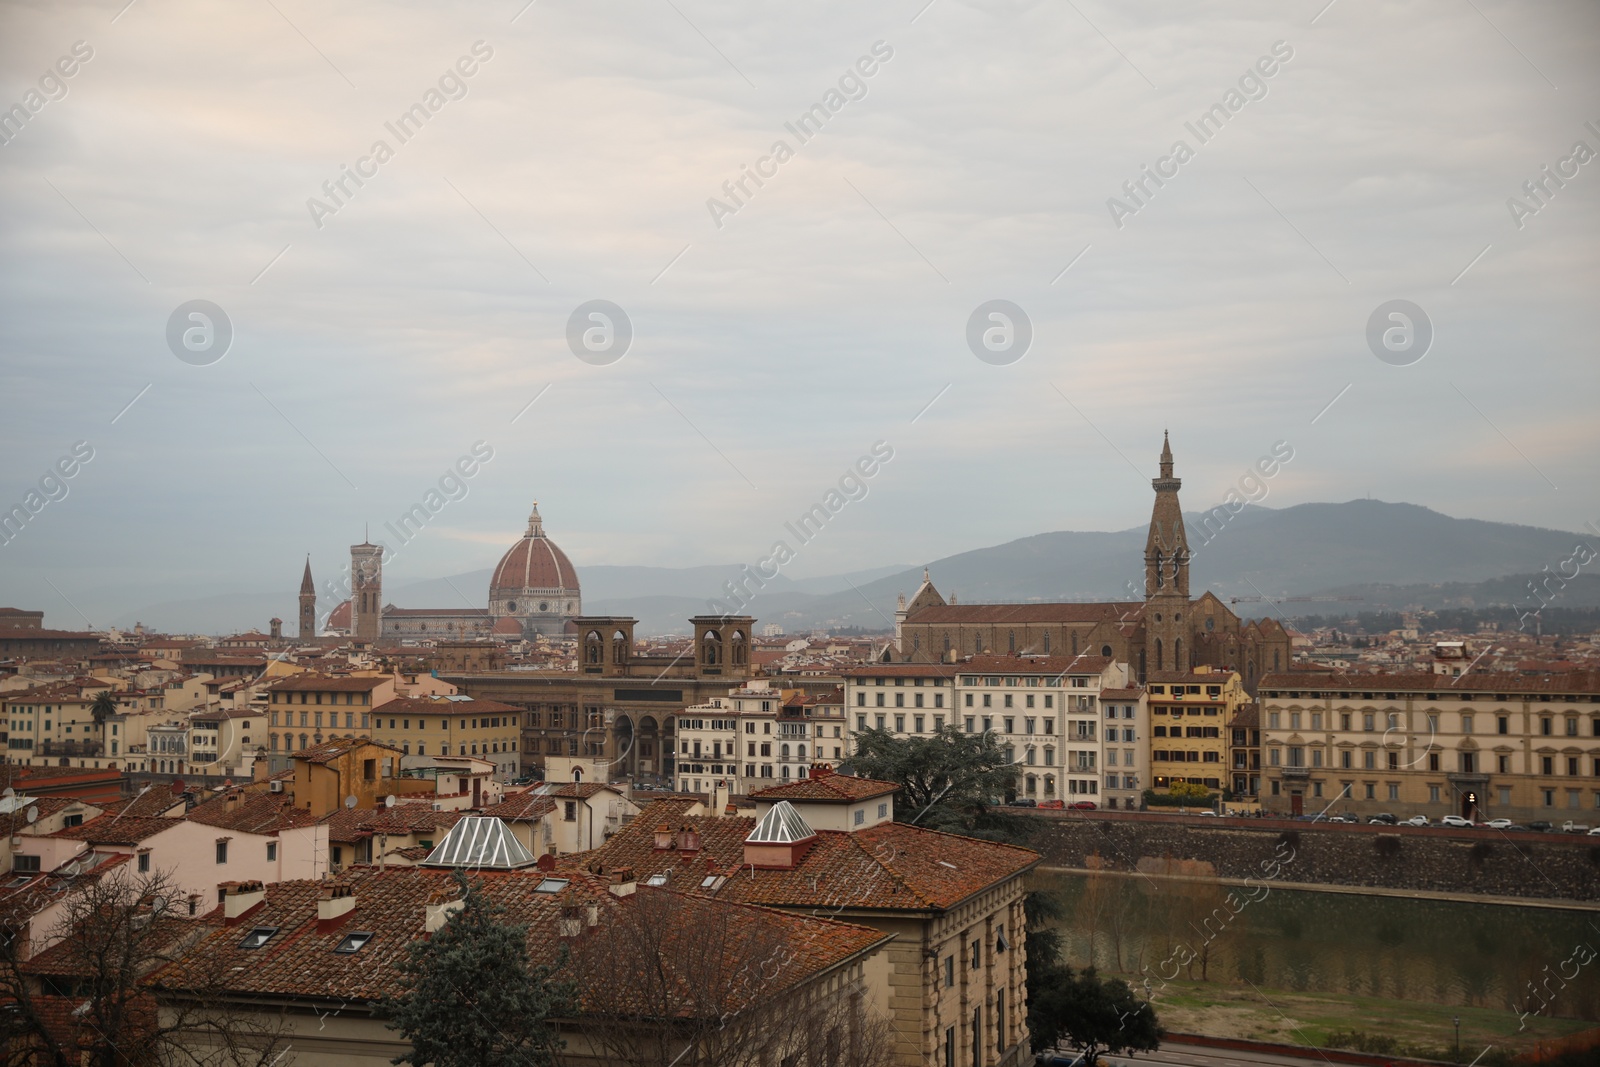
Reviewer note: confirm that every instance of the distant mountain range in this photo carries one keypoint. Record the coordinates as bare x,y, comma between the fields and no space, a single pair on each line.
1391,555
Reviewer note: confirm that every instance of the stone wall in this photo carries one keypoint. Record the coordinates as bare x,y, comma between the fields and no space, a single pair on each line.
1536,866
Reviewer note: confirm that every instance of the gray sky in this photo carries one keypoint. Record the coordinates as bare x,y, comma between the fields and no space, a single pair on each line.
371,351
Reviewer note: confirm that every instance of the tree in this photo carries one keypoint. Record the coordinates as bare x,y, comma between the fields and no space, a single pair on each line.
88,998
1093,1015
103,708
469,997
948,781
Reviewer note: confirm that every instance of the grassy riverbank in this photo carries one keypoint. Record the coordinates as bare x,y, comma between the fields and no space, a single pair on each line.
1220,1010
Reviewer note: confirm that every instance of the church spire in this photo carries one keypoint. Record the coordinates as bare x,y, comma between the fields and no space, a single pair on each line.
535,524
306,584
1166,549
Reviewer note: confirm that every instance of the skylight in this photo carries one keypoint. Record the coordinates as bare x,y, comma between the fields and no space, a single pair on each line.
354,943
551,885
258,936
656,879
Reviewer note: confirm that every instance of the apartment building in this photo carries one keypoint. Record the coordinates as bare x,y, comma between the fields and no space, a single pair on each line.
1189,715
307,709
1043,710
1126,745
451,725
1518,745
756,736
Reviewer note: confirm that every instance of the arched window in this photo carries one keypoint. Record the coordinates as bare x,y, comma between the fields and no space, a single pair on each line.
977,644
1105,650
1074,642
739,649
947,640
1161,663
1160,577
274,742
1011,640
712,646
422,749
783,752
800,752
619,647
1177,653
1047,642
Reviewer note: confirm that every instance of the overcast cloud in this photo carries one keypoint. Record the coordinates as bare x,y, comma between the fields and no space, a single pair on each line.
371,351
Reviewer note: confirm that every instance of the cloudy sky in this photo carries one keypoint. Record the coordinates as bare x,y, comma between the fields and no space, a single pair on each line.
380,331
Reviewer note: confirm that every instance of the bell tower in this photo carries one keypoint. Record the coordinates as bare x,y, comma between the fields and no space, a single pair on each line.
366,592
1166,575
308,604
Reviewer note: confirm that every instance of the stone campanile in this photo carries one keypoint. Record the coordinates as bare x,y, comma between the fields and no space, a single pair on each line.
308,604
366,592
1166,574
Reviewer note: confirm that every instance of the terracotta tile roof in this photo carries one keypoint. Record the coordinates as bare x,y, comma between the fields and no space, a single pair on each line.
1212,677
16,821
835,788
1131,693
525,805
322,683
579,790
1248,716
299,959
406,817
440,705
1084,664
337,747
956,614
893,866
902,670
251,812
154,802
117,830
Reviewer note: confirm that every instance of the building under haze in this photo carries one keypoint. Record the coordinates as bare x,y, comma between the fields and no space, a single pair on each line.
534,590
1166,631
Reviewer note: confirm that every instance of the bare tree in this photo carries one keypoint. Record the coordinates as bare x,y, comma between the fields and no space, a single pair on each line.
676,979
90,998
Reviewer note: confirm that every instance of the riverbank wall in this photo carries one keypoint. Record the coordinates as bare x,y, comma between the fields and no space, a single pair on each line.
1473,862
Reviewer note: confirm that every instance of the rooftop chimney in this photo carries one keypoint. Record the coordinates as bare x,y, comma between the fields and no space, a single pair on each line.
623,883
719,797
663,837
821,770
689,839
239,899
334,905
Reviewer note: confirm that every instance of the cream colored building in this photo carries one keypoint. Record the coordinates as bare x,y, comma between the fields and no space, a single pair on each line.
1481,745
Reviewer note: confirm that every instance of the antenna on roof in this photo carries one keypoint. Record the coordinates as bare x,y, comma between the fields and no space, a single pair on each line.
388,801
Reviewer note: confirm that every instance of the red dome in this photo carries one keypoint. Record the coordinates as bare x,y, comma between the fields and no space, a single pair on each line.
507,627
534,562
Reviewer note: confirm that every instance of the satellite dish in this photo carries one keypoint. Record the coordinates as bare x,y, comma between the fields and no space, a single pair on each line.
388,801
9,792
33,814
350,801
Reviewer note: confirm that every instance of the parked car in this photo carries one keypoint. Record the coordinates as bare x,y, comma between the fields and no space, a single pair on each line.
1595,832
1455,820
1498,824
1540,827
1054,805
1417,820
1209,812
1571,827
1083,805
1383,818
1346,818
1024,802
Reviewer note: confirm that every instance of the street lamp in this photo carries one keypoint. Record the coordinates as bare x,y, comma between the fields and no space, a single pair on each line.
1457,1021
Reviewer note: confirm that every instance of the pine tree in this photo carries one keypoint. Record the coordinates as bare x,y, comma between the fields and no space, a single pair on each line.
470,997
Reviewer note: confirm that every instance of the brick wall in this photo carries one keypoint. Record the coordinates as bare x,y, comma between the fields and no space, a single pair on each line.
1548,866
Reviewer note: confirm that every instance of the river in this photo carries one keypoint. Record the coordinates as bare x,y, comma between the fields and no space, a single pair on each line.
1443,952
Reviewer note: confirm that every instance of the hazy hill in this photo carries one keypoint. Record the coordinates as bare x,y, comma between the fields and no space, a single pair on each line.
1355,547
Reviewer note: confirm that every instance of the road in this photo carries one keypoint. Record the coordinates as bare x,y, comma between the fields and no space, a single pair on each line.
1200,1056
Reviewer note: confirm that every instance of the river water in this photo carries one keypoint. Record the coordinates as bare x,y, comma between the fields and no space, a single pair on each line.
1444,952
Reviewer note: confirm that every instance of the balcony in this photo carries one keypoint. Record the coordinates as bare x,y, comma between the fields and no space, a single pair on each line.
71,748
1299,773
